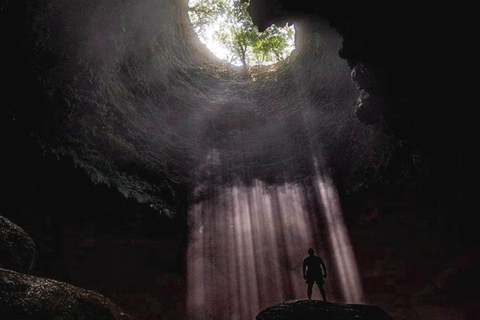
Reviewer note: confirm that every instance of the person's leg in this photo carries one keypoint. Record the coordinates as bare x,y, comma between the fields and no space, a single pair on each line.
309,290
322,292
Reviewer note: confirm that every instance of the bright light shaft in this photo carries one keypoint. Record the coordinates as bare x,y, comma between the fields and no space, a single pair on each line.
340,243
246,247
245,251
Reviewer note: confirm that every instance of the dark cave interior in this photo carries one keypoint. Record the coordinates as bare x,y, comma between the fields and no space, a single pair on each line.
116,120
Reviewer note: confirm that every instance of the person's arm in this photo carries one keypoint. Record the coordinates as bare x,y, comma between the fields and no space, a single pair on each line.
324,268
304,268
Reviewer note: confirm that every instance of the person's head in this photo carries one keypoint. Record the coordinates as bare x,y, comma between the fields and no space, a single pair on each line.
311,252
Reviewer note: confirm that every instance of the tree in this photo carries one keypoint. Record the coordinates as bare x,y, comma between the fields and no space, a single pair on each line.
233,28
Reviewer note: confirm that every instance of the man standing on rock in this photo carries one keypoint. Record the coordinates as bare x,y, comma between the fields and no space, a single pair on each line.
314,270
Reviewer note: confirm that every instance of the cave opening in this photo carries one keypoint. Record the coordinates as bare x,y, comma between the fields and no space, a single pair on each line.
228,31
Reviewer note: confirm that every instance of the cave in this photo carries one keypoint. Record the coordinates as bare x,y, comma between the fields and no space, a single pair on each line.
149,171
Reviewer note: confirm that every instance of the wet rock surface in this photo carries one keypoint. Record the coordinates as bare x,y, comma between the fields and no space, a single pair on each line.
315,310
30,298
17,249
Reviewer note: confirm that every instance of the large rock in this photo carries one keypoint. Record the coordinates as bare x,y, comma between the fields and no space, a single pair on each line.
17,249
316,310
30,298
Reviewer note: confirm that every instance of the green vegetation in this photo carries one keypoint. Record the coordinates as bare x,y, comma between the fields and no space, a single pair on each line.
228,31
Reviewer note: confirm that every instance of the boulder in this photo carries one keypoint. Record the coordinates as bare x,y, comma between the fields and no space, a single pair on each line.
17,249
315,310
27,297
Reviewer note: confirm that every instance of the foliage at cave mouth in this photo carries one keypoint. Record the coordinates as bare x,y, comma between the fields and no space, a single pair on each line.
226,28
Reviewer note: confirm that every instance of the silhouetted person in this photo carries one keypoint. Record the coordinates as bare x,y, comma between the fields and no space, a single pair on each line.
314,270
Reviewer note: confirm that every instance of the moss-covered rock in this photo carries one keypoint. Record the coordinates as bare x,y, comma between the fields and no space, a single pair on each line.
29,298
17,249
315,310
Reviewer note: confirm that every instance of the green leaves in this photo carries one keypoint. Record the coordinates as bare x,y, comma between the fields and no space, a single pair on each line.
203,12
228,23
270,45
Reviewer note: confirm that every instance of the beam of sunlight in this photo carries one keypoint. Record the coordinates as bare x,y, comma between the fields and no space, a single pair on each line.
245,251
339,239
247,244
195,281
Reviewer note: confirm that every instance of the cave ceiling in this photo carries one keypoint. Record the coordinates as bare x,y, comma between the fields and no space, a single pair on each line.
131,95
